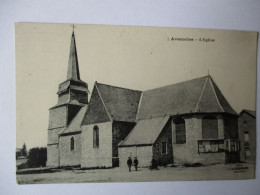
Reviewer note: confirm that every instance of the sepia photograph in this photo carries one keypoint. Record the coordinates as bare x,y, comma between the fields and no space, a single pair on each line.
104,103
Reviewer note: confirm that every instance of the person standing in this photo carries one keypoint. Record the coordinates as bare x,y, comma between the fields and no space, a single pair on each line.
135,163
129,163
154,164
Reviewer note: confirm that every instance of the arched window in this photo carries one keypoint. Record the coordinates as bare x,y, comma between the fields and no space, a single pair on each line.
72,144
209,127
95,137
180,131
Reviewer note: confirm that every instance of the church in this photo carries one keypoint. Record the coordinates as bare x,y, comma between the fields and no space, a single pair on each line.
187,122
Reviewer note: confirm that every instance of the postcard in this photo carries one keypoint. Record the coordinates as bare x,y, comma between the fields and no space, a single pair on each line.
97,103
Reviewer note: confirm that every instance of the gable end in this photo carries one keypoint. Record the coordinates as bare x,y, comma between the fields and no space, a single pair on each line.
96,112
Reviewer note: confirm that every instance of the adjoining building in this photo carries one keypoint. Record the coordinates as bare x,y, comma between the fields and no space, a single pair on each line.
247,134
187,122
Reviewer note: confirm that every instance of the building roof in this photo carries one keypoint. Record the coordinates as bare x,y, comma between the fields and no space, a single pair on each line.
73,65
75,124
73,81
199,95
250,112
145,131
120,103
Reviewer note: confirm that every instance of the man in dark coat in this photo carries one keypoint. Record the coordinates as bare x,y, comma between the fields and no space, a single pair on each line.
129,163
135,163
154,164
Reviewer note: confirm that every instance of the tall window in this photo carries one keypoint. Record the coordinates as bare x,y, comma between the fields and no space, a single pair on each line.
209,127
72,144
95,137
164,147
247,152
180,131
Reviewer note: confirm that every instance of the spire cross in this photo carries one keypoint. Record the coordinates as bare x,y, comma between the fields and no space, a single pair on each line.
73,27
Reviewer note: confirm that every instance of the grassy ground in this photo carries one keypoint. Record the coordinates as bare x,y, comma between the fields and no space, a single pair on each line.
20,161
213,172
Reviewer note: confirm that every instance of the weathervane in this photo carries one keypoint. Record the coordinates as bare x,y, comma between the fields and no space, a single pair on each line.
73,27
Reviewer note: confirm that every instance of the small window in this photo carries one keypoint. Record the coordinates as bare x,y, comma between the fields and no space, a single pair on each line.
95,137
164,147
72,144
246,136
245,123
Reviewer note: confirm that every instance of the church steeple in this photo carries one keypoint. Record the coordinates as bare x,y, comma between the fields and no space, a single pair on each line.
72,97
73,90
73,65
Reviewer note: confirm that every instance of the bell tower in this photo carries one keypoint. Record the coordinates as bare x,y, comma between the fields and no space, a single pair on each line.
72,96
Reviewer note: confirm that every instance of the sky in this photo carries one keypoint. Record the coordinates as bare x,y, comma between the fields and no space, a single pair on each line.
138,58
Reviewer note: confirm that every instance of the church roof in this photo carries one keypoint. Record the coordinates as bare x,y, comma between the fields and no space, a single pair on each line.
199,95
145,132
73,65
75,124
120,103
73,81
250,112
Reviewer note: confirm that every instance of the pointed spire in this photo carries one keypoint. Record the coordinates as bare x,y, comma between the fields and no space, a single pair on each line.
73,66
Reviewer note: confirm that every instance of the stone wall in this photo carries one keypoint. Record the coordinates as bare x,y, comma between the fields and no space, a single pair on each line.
188,152
165,136
184,153
52,156
102,155
68,157
63,98
231,127
58,117
119,133
220,127
53,135
211,158
144,155
57,121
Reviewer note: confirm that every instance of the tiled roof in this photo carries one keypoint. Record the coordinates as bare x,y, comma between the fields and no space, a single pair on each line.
63,86
250,112
145,131
121,103
193,96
